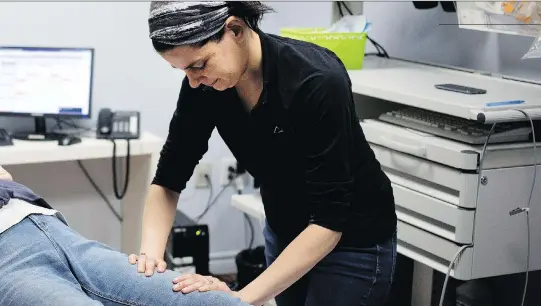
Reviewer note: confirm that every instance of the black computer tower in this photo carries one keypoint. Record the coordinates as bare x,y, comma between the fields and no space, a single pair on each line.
189,239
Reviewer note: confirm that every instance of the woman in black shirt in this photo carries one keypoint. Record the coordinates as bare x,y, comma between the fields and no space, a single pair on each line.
285,109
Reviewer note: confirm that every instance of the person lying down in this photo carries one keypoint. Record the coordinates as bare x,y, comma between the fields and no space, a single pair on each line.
45,262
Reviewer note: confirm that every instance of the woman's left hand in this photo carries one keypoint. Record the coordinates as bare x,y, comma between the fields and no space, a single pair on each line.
195,282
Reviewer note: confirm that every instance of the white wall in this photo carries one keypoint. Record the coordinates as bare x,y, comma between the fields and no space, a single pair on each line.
414,34
128,75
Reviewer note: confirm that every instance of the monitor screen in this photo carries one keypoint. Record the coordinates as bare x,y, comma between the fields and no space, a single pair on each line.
45,81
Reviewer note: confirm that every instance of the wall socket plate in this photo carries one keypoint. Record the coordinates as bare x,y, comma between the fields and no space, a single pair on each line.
202,169
226,163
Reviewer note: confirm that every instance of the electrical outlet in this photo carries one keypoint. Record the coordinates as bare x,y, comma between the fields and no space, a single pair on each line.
226,164
202,169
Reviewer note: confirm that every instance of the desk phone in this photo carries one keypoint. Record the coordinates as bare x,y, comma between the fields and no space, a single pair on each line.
118,125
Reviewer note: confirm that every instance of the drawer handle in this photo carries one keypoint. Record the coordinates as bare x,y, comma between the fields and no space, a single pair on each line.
406,148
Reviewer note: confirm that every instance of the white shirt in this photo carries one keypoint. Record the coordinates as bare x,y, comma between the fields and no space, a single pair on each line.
16,210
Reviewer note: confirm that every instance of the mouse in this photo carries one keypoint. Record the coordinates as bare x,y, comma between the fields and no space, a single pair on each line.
68,140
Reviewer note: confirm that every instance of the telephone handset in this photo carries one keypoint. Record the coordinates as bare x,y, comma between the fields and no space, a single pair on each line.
118,125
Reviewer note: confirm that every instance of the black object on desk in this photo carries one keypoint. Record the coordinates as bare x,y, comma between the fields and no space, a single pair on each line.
5,138
461,89
37,136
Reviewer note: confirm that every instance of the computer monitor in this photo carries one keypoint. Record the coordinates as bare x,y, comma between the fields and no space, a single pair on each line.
45,82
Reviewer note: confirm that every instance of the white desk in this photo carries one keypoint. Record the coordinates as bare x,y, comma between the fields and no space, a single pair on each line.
250,204
50,170
412,84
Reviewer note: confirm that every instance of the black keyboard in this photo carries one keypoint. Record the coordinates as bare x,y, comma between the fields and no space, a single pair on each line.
455,128
5,138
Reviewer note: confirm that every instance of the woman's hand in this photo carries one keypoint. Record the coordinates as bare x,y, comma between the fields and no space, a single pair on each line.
147,264
195,282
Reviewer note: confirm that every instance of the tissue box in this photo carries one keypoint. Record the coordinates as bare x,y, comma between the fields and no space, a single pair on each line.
349,47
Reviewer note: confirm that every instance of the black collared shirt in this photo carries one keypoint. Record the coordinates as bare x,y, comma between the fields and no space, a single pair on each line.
302,141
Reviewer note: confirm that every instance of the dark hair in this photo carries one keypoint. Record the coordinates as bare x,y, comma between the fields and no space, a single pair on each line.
250,11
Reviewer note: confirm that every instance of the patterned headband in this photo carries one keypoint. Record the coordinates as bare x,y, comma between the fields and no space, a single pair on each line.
184,23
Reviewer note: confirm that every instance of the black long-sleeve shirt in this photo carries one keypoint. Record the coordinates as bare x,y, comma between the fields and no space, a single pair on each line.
302,141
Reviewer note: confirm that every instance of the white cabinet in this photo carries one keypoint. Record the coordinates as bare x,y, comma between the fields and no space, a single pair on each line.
444,202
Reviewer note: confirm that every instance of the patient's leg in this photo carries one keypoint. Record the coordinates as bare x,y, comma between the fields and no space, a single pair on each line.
107,276
33,272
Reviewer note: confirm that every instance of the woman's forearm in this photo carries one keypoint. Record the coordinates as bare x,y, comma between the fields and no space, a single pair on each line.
301,255
158,217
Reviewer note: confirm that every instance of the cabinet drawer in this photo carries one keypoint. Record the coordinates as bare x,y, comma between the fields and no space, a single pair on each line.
433,251
437,149
435,180
418,172
431,214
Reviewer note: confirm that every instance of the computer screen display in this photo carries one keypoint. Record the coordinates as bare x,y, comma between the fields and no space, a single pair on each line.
45,81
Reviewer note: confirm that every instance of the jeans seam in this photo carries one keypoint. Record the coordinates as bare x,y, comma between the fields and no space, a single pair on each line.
393,243
378,270
106,297
375,278
43,227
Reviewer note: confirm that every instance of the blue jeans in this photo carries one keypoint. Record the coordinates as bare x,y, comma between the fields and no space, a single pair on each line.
342,278
44,262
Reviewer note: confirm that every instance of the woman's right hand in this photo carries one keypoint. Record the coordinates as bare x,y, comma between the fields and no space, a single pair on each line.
146,264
